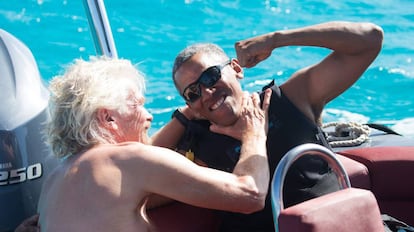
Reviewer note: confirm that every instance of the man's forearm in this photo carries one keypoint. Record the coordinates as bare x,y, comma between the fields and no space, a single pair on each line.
344,37
253,162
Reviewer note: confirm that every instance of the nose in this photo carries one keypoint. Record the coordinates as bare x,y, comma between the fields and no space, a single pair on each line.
207,91
148,115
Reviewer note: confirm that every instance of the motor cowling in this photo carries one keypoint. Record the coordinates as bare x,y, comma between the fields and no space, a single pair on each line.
25,159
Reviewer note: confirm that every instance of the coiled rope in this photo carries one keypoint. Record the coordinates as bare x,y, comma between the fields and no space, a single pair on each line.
347,134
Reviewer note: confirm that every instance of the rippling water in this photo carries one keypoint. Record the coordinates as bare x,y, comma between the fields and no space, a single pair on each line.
153,32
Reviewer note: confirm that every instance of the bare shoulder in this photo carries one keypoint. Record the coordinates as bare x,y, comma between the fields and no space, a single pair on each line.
130,158
296,89
143,168
105,152
129,151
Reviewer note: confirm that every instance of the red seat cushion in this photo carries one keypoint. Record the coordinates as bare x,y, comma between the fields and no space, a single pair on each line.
391,170
180,217
346,210
357,172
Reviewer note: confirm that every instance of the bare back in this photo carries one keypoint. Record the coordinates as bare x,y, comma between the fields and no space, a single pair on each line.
86,193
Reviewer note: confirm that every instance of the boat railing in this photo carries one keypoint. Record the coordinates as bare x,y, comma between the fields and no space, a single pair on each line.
100,28
286,162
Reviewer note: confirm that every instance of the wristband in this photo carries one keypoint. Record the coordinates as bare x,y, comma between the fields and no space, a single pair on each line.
180,117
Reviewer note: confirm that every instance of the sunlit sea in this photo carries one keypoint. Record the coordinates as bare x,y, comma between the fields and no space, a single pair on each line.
151,33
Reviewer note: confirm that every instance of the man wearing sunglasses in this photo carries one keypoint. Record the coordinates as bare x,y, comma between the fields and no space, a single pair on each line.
208,80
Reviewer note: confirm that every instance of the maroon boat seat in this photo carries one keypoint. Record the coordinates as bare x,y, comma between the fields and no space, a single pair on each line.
357,172
180,217
347,210
391,172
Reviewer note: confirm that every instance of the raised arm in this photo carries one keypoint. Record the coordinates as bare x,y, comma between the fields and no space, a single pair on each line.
354,45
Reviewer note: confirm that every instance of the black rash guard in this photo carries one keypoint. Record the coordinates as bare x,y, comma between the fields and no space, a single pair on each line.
308,177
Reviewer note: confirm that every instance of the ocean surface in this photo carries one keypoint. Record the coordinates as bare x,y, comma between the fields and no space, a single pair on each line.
151,33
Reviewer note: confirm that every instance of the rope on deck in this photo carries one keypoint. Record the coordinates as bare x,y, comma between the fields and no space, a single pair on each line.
347,134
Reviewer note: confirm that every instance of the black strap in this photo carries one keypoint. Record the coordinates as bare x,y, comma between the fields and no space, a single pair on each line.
180,117
321,137
382,128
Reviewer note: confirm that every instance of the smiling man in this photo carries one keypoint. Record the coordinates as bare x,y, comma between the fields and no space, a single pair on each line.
208,80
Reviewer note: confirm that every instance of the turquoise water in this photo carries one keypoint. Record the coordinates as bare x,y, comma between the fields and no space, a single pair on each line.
152,32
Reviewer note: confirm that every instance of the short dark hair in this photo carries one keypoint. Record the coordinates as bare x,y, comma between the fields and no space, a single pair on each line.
191,50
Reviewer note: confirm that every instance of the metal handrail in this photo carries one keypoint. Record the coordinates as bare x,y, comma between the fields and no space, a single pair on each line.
286,162
100,29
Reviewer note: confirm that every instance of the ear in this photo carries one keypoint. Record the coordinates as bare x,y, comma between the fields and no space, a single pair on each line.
237,68
106,119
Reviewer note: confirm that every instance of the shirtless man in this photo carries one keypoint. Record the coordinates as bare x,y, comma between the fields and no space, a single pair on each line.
109,169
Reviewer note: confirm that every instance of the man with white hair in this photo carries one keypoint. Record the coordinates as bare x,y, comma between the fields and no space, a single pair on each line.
109,169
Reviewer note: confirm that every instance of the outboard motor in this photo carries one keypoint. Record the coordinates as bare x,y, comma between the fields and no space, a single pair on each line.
25,159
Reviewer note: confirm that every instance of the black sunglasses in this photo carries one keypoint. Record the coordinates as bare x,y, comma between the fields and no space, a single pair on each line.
208,78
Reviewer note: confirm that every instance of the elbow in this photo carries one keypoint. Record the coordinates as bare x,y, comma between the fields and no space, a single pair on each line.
255,201
256,205
374,35
253,193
